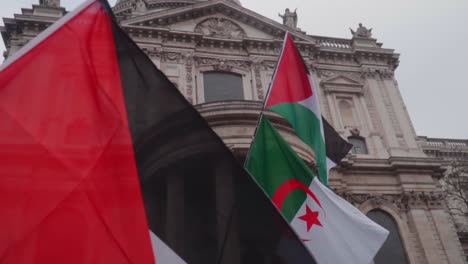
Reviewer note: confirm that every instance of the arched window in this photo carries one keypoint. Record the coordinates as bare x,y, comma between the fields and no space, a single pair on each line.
346,112
223,86
359,145
392,250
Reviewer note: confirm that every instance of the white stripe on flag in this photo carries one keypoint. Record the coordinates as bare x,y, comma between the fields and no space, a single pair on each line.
346,234
163,253
330,165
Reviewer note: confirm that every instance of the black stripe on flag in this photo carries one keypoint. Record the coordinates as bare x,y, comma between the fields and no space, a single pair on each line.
337,148
198,198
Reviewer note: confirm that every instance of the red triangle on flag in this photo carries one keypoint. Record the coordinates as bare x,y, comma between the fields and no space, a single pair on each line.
291,82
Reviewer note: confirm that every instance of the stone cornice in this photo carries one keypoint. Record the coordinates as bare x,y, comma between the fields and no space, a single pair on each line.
369,65
242,112
126,7
354,164
235,11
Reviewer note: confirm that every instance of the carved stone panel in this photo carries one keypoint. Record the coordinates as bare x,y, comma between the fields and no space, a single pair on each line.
171,57
220,27
258,81
222,64
189,76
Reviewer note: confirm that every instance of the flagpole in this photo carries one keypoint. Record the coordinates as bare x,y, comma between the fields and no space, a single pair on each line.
261,116
262,111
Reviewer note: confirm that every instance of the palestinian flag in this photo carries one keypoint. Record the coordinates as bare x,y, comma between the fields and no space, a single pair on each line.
332,229
292,96
102,160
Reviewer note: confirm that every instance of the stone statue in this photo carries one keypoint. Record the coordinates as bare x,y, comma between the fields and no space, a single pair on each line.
289,18
54,3
362,32
139,6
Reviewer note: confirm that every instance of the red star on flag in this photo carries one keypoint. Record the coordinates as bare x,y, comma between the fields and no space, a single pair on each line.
311,218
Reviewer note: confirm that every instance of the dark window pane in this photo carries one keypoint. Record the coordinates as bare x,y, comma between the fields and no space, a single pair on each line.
392,250
359,145
223,86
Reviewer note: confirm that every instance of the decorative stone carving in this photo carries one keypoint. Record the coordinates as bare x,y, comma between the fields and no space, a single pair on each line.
269,65
202,61
327,74
404,201
362,32
153,52
289,18
387,74
223,64
171,56
189,76
368,73
257,64
220,27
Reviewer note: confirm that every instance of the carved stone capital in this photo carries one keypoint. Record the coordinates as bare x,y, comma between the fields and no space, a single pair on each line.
387,74
368,73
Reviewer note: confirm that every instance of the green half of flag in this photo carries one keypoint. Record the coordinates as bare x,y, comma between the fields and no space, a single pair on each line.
273,163
307,126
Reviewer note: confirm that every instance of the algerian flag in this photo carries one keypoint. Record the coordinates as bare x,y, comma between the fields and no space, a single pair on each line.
332,229
292,96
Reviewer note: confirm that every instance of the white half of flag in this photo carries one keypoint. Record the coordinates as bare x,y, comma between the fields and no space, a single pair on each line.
163,253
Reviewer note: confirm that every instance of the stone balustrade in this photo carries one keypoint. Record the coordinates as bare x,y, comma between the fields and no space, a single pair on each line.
337,43
447,149
440,143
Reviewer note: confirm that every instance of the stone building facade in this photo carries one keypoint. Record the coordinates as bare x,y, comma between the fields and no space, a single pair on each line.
453,153
221,56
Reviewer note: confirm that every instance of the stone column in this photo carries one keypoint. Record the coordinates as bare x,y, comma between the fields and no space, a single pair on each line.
427,236
375,92
400,118
448,236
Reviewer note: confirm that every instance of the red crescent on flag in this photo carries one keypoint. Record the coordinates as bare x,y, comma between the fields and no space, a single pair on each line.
289,186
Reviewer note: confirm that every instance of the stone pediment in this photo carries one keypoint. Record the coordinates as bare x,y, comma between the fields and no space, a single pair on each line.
216,19
342,84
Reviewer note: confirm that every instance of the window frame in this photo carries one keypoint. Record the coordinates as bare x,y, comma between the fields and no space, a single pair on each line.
237,75
362,140
200,84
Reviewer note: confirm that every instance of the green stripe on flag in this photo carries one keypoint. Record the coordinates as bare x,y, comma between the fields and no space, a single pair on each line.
307,126
272,162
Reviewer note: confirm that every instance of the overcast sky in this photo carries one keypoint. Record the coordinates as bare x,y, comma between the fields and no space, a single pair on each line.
430,35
